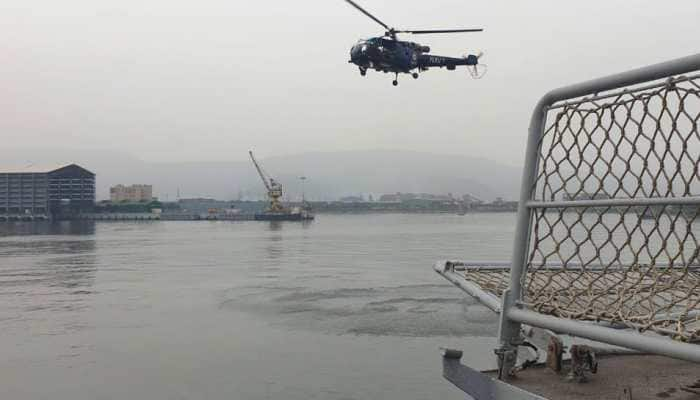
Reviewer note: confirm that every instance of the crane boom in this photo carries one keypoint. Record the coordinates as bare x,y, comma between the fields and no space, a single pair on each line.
260,171
274,189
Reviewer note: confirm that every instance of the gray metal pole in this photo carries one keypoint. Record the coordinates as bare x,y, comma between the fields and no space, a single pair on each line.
651,201
489,300
624,338
652,72
509,331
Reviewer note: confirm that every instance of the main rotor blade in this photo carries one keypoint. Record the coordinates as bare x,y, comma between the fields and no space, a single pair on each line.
363,11
441,30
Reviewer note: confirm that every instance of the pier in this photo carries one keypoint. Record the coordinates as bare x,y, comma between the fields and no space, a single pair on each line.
23,217
164,217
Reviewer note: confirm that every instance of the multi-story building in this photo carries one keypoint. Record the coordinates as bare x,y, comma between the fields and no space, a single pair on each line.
131,194
405,197
37,191
202,205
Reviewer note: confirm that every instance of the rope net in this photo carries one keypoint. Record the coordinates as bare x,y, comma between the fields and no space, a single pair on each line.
630,264
627,264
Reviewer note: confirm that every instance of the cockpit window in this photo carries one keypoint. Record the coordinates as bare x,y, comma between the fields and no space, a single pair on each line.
389,44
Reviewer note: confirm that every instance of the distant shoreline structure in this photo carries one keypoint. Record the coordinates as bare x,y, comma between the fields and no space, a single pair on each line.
144,216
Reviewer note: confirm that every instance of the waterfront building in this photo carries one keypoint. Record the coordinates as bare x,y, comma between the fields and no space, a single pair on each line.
46,191
470,200
390,198
351,199
421,197
203,205
130,194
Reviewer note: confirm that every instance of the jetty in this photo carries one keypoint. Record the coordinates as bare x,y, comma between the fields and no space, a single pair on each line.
164,217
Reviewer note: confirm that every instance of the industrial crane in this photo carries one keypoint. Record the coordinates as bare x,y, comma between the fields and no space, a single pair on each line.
274,188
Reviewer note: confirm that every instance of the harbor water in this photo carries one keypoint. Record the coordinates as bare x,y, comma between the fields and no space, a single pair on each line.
344,307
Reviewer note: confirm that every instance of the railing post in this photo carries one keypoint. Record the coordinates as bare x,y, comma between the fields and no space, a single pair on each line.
509,331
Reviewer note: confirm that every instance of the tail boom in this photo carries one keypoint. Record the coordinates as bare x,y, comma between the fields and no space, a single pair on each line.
427,61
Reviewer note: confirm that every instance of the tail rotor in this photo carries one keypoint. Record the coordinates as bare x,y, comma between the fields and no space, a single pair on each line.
476,69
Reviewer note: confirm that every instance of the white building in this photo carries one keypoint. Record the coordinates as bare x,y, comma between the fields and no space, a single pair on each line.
131,194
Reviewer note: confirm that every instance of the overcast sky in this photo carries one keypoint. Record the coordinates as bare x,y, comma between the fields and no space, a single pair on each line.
170,80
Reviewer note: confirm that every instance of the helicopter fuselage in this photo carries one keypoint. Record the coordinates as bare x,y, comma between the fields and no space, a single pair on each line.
397,56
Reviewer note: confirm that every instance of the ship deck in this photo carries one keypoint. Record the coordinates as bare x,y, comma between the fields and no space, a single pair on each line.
632,377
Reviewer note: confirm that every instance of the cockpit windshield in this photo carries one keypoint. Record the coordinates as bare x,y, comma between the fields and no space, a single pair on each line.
361,45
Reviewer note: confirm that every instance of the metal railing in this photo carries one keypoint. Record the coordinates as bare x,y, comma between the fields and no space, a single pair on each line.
607,220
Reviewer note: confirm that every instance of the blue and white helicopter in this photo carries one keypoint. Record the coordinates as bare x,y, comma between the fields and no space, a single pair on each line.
388,54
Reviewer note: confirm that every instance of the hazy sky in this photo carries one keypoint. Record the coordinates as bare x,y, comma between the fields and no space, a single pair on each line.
206,80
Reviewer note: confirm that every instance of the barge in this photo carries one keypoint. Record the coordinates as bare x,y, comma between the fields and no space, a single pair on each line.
293,214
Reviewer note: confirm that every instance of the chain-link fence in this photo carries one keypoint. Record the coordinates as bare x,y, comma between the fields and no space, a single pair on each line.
607,227
608,219
614,234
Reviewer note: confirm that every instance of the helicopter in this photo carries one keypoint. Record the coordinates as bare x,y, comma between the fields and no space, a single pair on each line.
388,54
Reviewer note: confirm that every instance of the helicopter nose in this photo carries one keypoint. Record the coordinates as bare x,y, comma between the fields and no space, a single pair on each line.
358,55
355,54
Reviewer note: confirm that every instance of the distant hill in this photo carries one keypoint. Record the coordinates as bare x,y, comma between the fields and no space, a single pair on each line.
330,175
